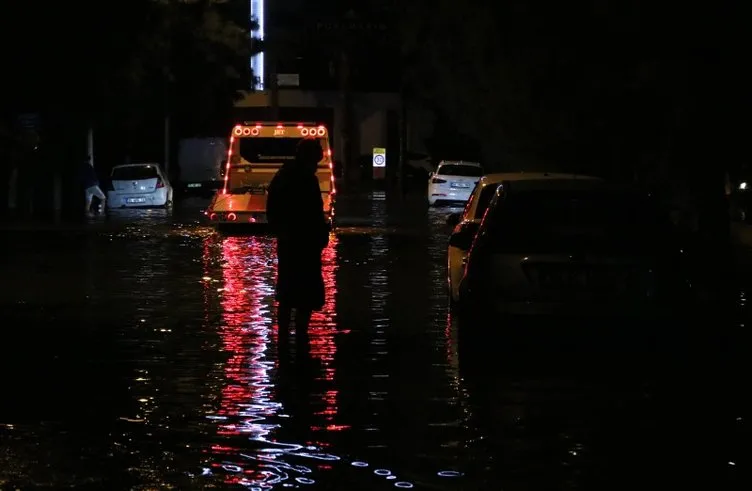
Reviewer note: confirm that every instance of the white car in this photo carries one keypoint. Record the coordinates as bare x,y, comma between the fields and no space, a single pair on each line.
453,182
138,185
466,224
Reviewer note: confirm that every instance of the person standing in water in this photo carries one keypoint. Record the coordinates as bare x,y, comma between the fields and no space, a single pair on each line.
295,213
91,185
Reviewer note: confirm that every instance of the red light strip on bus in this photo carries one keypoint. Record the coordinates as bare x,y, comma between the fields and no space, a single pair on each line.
319,131
331,172
227,165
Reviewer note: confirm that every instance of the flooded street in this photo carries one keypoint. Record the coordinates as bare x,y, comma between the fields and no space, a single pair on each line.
142,352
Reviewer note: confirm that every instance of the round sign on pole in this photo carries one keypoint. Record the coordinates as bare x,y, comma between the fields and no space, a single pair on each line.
379,157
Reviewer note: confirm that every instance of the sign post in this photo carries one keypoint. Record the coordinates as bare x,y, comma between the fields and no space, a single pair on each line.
379,163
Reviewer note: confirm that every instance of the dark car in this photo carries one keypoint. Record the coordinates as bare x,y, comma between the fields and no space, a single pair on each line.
573,248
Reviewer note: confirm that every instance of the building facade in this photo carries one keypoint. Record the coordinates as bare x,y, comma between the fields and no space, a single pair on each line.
328,63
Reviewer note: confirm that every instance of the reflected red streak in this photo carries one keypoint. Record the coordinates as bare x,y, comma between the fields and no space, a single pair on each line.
242,329
241,306
324,323
329,428
247,270
220,449
209,242
323,329
330,398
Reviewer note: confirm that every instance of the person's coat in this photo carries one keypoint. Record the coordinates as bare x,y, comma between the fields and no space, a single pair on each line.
296,216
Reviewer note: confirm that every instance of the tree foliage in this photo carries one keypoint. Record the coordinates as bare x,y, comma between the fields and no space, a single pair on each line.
205,58
125,57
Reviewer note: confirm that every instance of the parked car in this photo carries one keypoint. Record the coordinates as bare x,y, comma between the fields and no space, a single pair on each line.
466,223
573,247
453,182
138,186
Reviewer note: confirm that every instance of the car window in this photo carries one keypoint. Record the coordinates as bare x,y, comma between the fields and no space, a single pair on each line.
557,221
134,173
486,195
471,199
459,170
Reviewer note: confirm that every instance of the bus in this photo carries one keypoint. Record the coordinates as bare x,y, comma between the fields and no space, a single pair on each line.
255,153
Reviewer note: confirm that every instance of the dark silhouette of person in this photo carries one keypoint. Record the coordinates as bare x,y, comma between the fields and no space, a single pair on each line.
295,213
90,183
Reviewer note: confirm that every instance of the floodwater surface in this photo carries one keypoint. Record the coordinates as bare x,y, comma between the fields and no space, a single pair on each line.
142,352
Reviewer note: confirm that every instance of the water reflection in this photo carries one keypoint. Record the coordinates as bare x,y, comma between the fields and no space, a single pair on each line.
249,449
277,410
340,412
323,329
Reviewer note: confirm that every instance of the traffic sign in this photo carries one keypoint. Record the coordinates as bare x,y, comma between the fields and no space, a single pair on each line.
379,157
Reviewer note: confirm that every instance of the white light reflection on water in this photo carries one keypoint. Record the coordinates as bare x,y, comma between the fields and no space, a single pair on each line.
246,452
247,408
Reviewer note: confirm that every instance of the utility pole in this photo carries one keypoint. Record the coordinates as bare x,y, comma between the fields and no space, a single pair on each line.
166,121
167,73
166,113
273,84
167,143
403,125
351,161
90,144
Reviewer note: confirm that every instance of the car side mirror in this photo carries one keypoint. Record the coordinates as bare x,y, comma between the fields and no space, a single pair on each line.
430,174
453,219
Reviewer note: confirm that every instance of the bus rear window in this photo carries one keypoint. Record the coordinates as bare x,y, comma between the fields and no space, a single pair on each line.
268,150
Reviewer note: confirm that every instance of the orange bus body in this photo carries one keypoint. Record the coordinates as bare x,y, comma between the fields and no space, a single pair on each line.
255,153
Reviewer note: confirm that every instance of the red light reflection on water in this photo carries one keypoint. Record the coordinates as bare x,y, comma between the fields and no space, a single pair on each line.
323,346
324,324
247,275
246,407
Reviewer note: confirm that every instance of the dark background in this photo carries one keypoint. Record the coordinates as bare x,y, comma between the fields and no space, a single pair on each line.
656,94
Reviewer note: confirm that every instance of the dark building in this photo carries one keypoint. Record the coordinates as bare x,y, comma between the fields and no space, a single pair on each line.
308,42
336,63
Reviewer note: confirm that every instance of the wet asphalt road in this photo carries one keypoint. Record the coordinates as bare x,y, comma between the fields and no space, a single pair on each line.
140,352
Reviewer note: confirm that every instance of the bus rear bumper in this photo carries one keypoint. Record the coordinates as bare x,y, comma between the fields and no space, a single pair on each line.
236,218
